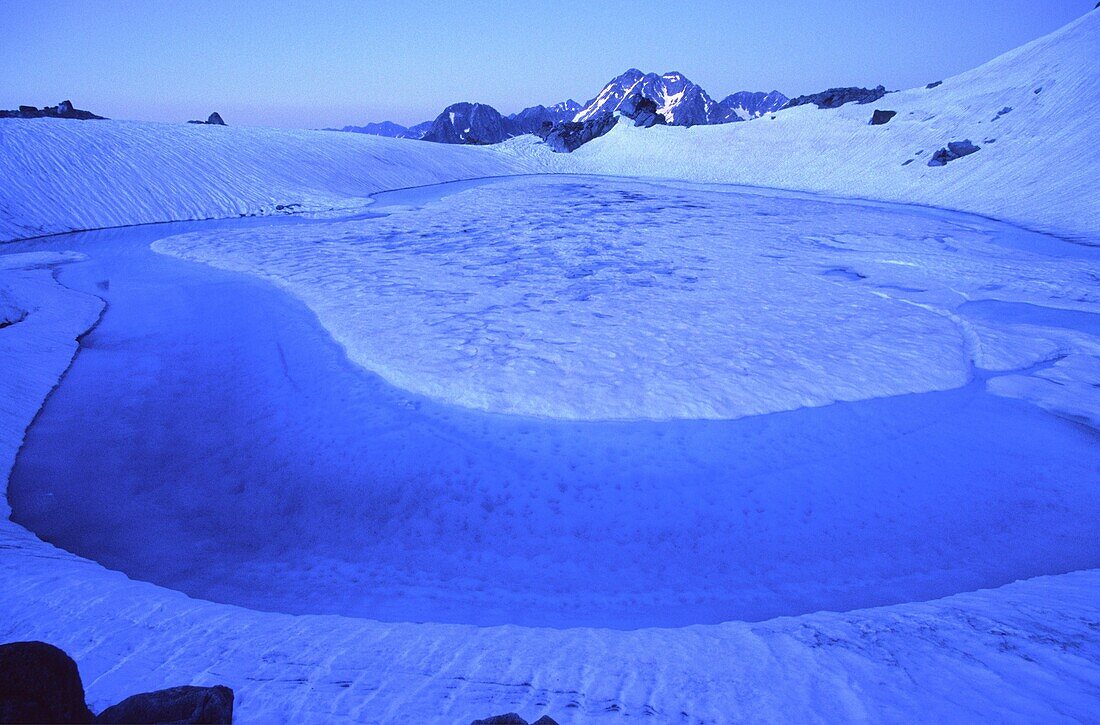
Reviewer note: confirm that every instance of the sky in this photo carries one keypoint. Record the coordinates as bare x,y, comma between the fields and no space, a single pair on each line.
339,62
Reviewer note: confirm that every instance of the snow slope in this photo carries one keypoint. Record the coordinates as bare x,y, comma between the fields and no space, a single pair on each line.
58,176
1037,166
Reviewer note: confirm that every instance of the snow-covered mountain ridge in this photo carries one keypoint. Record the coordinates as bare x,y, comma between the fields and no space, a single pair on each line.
1037,166
680,101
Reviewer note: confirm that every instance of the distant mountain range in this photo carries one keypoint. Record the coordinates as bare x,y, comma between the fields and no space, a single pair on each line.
679,101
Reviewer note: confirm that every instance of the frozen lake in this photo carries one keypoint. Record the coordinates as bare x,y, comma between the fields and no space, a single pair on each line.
213,437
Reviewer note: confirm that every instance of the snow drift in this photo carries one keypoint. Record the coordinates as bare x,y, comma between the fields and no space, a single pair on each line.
60,176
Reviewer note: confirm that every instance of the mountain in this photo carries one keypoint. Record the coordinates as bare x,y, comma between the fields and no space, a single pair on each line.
468,123
746,105
531,120
385,128
680,101
388,129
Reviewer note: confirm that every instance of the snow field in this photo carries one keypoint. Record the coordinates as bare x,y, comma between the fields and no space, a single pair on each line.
595,299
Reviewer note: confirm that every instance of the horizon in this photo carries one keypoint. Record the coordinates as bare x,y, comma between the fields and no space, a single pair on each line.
298,65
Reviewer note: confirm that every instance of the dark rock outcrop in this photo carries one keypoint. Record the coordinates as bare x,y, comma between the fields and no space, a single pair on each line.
879,118
214,119
934,84
187,704
570,136
64,109
954,150
642,111
40,683
467,123
510,718
837,97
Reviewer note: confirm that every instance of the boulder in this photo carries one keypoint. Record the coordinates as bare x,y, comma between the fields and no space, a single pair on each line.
40,683
837,97
214,119
510,718
880,118
571,135
185,704
954,150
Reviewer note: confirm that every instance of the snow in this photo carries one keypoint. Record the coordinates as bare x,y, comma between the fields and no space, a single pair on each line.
590,299
1037,166
59,176
383,498
1007,315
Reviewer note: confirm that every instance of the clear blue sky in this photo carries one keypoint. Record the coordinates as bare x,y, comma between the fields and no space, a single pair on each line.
332,62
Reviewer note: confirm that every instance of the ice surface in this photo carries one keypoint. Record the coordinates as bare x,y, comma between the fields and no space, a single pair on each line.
597,299
1025,651
228,425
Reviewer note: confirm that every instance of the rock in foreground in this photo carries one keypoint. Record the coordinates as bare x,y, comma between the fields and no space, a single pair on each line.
187,704
40,683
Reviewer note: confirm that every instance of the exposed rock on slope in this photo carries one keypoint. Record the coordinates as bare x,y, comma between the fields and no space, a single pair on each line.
880,118
571,135
214,119
642,111
837,97
62,110
954,150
